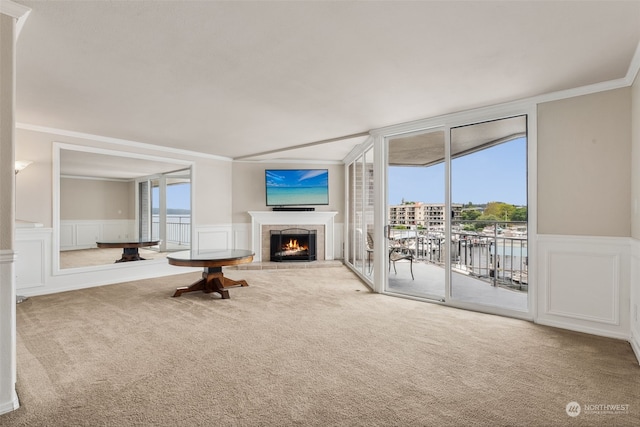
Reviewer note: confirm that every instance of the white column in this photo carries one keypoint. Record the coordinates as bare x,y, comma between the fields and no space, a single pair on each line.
11,15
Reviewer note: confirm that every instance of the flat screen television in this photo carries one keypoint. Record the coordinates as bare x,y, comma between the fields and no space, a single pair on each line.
295,187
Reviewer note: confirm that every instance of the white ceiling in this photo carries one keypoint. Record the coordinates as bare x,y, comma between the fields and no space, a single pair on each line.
239,78
85,164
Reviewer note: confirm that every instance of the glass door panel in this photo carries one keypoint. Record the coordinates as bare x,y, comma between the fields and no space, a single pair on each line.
178,207
155,209
489,213
358,220
360,199
164,209
417,216
351,228
367,212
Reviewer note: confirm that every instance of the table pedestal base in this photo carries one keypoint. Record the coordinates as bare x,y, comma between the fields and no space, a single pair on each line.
130,254
212,281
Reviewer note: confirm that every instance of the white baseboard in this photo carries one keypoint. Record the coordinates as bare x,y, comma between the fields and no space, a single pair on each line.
11,405
635,345
584,329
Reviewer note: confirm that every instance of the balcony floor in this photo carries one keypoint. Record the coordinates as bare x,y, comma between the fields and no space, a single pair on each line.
429,283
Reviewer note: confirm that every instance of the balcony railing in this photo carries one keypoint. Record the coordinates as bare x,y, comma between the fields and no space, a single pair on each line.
492,251
178,229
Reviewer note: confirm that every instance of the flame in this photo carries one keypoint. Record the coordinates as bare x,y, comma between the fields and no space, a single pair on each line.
293,245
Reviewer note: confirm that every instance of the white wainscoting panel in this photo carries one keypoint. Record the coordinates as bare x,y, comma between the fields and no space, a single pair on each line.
33,255
67,236
634,306
83,234
214,237
242,236
87,235
338,241
584,284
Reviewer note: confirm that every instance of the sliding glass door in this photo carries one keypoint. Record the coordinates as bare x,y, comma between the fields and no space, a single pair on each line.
417,219
446,218
489,233
164,209
360,247
457,228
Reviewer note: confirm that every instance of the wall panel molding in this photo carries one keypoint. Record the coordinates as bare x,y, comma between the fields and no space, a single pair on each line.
218,236
33,258
597,271
634,306
83,234
584,284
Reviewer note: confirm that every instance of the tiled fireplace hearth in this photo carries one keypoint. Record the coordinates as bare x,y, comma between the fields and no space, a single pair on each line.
263,222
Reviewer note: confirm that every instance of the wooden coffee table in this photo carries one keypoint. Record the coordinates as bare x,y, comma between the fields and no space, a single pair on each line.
129,248
212,260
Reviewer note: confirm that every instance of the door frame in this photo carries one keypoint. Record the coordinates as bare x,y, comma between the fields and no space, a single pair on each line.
380,136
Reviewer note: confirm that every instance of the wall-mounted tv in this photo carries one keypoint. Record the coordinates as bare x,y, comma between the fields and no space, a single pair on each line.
295,187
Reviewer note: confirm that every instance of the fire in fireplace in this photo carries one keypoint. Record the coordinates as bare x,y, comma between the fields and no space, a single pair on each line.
293,244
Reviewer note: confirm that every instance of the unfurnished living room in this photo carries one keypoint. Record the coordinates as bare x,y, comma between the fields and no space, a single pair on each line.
319,213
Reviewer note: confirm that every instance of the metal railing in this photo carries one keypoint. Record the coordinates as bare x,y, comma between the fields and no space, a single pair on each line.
178,229
492,251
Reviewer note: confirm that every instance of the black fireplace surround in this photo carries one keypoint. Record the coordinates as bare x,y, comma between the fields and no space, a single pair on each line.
292,244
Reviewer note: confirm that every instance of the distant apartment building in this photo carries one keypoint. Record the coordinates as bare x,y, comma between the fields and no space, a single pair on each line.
423,215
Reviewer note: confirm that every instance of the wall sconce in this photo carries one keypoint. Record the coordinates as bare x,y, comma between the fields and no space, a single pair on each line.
21,164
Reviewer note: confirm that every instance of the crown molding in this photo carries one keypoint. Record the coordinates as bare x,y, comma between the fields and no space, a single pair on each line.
17,11
634,67
118,141
292,161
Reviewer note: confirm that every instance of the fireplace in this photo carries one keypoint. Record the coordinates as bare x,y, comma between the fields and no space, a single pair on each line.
293,244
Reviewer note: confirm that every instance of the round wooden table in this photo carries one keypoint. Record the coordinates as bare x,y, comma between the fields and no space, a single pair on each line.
212,260
129,248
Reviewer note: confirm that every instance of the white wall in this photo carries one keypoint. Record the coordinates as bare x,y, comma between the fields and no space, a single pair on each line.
92,199
584,167
584,224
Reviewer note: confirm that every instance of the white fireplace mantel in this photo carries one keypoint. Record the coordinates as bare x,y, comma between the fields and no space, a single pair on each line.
260,218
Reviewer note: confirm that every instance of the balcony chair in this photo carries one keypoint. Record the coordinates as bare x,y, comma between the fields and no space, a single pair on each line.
397,253
369,251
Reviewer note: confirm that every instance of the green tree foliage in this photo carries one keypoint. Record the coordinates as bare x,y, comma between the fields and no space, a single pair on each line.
520,214
502,211
470,214
485,220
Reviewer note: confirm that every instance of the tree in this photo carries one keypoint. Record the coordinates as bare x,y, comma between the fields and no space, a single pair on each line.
502,211
469,214
520,214
490,219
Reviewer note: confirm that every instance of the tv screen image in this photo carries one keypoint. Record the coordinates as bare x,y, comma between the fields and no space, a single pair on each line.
290,187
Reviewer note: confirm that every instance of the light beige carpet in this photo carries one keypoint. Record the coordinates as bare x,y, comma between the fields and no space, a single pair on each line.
308,347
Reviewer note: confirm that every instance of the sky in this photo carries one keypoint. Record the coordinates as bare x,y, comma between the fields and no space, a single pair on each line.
178,196
496,174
